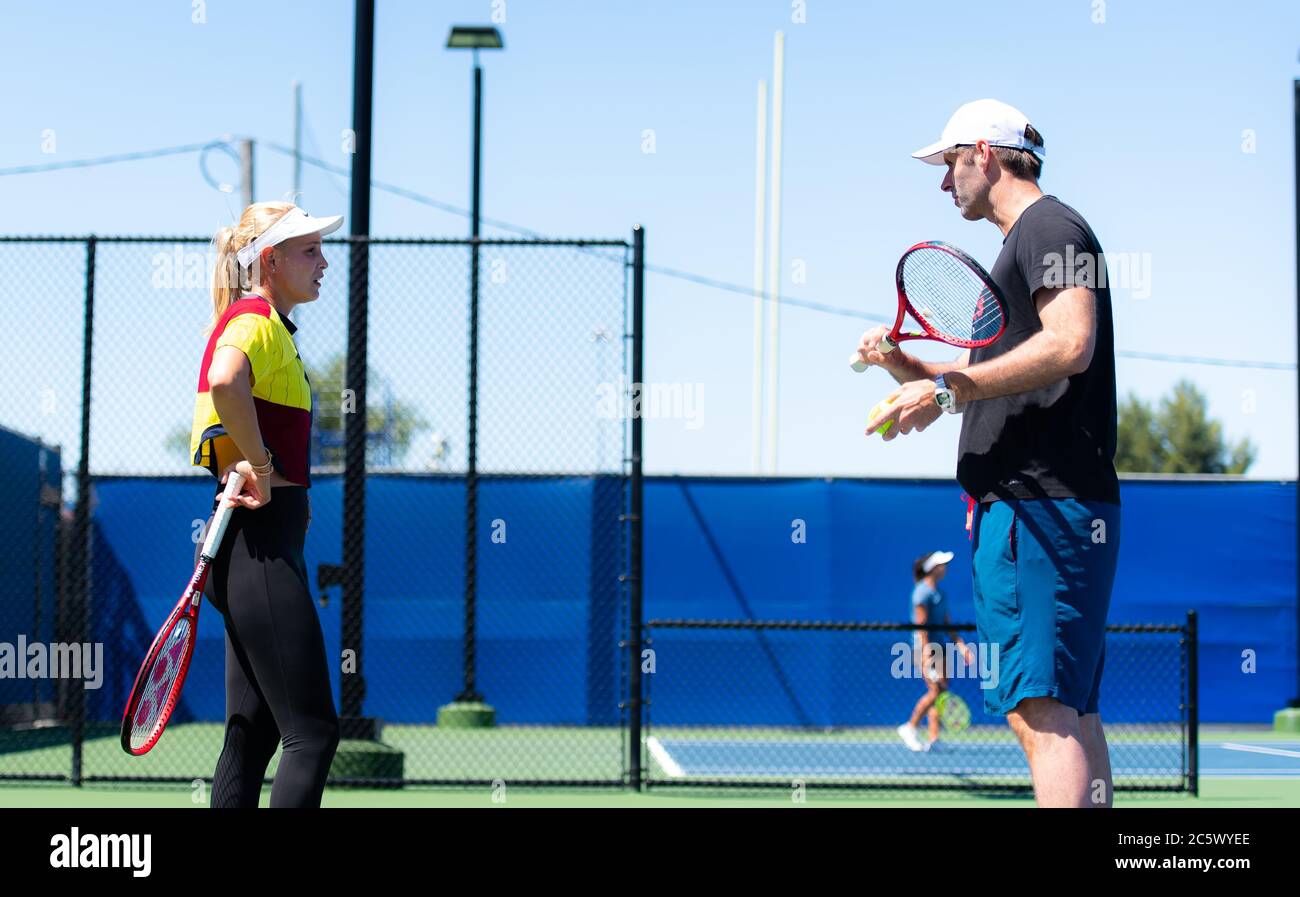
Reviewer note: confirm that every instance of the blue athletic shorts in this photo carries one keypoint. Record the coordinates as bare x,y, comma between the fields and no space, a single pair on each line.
1043,571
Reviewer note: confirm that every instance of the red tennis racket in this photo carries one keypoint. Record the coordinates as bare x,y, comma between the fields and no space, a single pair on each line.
162,675
949,294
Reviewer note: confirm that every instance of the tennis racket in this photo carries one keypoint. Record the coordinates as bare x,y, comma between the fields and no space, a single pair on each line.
158,684
954,714
949,294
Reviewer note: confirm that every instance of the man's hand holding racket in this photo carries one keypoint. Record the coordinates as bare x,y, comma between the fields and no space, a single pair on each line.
956,302
870,354
947,292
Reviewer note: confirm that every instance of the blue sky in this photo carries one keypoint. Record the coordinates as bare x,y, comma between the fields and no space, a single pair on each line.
1145,115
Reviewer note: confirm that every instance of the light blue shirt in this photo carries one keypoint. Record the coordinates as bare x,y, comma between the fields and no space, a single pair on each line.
927,596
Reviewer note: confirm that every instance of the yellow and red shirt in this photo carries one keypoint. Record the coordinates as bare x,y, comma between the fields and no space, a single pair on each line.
281,391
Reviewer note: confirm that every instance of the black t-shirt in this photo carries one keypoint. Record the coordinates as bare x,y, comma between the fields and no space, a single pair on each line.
1058,441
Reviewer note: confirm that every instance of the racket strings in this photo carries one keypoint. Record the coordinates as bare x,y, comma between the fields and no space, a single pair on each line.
949,297
152,711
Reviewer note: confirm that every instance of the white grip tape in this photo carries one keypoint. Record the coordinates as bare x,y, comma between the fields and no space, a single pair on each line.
885,346
222,517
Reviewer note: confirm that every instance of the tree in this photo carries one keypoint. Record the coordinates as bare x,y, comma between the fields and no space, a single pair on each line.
1178,436
391,424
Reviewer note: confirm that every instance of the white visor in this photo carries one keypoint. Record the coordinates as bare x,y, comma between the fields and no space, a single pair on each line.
934,560
293,223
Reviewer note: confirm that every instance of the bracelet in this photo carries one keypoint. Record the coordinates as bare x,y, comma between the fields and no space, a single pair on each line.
264,470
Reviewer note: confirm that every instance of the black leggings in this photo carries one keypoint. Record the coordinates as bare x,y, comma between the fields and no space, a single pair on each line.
277,676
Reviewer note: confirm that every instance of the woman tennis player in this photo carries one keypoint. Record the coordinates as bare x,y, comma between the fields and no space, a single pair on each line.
253,414
930,608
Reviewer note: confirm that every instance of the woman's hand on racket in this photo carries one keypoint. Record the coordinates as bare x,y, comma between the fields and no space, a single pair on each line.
256,491
910,407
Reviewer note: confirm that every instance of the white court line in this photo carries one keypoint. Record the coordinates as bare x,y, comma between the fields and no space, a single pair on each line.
663,758
1257,749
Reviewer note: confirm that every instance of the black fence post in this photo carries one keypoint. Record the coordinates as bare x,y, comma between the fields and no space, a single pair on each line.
635,610
353,685
81,519
1295,700
352,724
469,694
1193,711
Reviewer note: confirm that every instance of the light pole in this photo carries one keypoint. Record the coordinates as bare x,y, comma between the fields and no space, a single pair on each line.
469,709
475,38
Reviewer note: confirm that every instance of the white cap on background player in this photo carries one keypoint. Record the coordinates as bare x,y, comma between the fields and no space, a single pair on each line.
989,120
934,560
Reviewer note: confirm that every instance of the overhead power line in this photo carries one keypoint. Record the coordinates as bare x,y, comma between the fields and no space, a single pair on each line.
739,289
702,280
105,160
1220,362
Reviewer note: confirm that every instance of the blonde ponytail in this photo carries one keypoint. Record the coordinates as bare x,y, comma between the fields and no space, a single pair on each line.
228,281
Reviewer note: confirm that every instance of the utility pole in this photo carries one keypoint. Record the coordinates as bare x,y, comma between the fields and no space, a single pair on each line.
246,171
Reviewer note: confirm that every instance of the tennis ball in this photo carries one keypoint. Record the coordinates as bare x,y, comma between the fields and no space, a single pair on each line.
880,408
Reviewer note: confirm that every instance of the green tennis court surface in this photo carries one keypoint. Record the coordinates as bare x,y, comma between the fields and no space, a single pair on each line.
1239,767
1214,793
576,752
191,750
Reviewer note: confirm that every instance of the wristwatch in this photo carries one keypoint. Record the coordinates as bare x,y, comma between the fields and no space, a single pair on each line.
944,397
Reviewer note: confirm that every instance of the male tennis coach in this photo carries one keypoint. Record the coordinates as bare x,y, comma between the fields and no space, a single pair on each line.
1036,452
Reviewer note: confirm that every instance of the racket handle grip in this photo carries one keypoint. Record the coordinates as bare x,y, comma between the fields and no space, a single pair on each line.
885,346
221,518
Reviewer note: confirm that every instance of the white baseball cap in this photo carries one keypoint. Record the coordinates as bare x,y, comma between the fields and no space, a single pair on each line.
293,223
934,560
989,120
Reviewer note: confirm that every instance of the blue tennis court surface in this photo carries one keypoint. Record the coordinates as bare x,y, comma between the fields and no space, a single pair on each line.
686,758
704,758
1232,759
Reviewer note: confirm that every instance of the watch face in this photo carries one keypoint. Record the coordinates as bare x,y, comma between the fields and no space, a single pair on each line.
943,398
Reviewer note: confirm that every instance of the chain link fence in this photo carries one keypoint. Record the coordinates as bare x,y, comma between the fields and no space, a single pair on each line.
764,705
526,623
480,585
